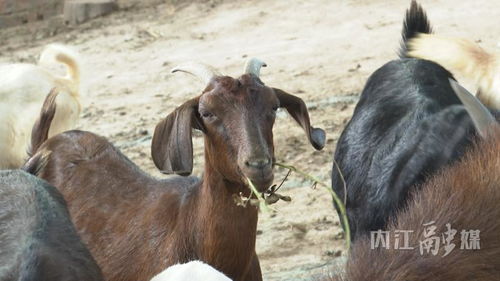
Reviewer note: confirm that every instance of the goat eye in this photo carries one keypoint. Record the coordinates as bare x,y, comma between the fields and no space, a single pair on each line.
207,115
275,108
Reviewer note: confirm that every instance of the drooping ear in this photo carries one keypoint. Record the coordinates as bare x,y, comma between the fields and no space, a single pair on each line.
172,145
298,110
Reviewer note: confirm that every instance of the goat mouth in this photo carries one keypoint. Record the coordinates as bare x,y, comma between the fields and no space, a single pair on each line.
262,182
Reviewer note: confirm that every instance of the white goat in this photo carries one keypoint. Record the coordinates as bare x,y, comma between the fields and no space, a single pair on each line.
191,271
23,88
465,58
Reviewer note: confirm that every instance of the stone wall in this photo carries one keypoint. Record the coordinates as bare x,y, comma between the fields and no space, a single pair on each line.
16,12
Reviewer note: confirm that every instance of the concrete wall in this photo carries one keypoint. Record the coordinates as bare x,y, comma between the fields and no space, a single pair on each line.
16,12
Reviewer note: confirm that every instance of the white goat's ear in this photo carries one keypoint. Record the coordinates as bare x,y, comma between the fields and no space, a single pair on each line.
482,118
172,145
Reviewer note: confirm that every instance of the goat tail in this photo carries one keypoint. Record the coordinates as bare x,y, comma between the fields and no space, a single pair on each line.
58,53
40,131
415,22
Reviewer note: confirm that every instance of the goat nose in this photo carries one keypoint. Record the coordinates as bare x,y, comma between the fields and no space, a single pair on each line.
258,163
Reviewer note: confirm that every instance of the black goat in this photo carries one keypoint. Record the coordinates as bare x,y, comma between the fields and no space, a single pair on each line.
407,125
37,238
452,220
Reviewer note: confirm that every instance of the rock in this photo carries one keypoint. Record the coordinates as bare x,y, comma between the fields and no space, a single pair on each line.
78,11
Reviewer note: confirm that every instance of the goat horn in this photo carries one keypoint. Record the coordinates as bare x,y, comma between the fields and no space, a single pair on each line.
253,65
480,115
202,71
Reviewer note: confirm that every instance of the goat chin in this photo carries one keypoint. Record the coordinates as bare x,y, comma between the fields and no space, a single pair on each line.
23,89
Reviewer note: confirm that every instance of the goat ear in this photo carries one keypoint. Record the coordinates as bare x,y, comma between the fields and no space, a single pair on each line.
298,110
172,145
481,117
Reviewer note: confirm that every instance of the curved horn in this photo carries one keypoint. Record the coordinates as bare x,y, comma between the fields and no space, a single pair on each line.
480,115
253,65
202,71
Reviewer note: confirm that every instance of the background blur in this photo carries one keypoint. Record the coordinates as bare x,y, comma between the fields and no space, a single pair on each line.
320,50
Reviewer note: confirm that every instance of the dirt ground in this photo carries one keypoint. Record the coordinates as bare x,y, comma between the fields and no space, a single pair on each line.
320,50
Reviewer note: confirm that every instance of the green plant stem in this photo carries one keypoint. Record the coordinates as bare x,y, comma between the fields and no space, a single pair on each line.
335,197
262,202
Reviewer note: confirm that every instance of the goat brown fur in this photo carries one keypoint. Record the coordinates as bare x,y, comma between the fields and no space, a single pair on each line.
467,196
135,225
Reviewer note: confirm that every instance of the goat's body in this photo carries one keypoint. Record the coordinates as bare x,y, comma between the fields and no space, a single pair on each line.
37,238
135,225
422,129
123,227
407,125
467,197
23,89
462,57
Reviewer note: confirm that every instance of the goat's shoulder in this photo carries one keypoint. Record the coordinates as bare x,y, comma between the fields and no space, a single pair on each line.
76,145
74,152
404,154
408,81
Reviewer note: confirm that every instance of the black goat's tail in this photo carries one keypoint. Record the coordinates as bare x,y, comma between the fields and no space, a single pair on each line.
415,22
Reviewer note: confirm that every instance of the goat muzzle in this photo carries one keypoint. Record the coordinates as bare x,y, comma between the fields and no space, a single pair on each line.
260,171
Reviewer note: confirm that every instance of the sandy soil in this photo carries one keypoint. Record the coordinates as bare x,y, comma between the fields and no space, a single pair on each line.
321,50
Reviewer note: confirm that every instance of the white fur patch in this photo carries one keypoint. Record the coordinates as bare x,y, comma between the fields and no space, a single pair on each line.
191,271
23,89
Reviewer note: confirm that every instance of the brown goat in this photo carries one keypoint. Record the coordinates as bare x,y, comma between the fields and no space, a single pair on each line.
467,197
135,225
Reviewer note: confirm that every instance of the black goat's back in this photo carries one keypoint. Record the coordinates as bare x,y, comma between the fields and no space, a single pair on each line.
407,125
